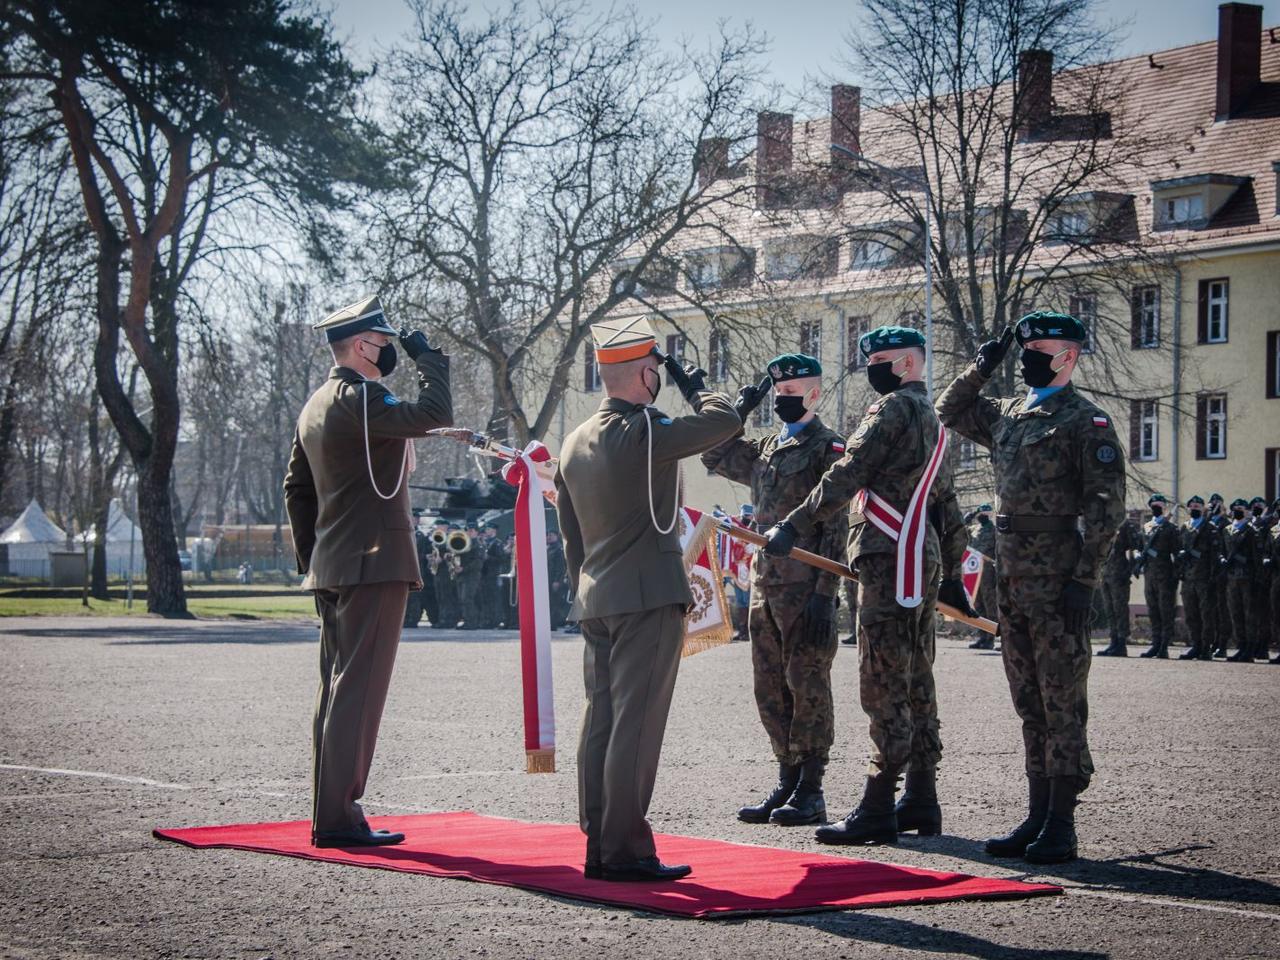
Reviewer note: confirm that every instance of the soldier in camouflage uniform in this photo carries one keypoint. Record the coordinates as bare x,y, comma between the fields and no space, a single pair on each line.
1261,606
1160,546
1272,561
1117,572
1240,558
1219,611
1201,546
982,538
1060,483
792,606
893,463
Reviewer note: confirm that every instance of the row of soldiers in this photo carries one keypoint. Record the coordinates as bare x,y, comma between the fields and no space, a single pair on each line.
1226,560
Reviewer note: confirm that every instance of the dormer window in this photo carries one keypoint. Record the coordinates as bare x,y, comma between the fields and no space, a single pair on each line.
1190,203
791,258
656,279
1177,211
716,267
1069,224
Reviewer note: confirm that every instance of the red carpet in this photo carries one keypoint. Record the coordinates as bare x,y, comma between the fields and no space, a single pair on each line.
728,878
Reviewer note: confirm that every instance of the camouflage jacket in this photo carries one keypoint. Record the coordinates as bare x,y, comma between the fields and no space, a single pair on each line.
1220,523
1262,550
1203,546
982,537
888,453
1119,564
780,474
1058,459
1160,545
1240,551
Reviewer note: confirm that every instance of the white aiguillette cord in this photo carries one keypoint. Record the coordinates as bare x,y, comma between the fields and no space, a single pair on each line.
675,510
405,468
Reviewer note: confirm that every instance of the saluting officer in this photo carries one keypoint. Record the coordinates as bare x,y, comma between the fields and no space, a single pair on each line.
617,498
791,611
347,495
895,465
1060,483
1201,547
1160,545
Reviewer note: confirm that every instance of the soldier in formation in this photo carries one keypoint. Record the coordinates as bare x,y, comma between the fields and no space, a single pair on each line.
1157,564
1116,577
1201,545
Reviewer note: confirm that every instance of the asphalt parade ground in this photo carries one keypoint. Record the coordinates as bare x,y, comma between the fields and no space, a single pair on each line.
109,728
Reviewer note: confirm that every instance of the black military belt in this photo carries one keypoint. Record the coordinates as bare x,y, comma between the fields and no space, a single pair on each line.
1010,524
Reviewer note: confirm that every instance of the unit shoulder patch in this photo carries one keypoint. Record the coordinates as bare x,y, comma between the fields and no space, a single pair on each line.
1106,454
391,400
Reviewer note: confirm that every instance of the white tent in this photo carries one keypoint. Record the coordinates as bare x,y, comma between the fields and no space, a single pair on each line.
28,541
121,532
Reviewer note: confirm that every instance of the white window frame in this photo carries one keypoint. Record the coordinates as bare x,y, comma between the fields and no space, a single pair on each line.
856,328
811,338
1218,296
869,254
1148,431
1148,309
1215,450
1069,224
1175,211
1084,307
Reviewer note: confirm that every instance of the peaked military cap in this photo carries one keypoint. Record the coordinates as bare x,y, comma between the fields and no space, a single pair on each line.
890,338
793,366
617,341
1157,498
1048,325
1195,498
355,318
1239,502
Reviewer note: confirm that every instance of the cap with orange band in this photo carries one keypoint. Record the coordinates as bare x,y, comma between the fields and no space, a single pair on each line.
617,341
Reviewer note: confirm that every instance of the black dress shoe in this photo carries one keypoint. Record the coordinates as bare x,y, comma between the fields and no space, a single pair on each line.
355,837
639,871
592,870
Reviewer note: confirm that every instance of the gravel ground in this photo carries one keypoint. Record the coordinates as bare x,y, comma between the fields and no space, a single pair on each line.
109,728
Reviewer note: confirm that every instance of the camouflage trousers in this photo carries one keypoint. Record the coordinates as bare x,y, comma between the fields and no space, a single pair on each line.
1275,612
1048,673
1115,591
1240,608
1221,613
1264,612
1160,589
1197,607
792,674
895,669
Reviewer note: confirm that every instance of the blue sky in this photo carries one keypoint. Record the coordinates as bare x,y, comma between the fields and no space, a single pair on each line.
808,36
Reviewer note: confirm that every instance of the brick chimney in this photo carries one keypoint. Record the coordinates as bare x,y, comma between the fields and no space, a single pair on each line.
712,160
1239,55
773,143
846,116
1035,82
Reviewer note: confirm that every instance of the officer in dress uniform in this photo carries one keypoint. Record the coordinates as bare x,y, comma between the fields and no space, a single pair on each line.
1060,484
617,499
1198,556
982,538
895,466
1160,545
347,495
792,607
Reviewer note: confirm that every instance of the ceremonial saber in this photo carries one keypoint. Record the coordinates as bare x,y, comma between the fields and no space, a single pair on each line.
729,528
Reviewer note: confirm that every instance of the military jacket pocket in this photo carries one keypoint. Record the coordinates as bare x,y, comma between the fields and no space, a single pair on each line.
1042,452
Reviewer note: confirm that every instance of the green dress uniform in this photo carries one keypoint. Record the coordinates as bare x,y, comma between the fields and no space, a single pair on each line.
1160,546
1262,610
1117,575
1200,549
358,555
631,594
791,658
1240,558
1220,610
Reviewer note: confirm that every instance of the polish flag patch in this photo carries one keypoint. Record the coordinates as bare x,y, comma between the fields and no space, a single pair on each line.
837,446
1101,422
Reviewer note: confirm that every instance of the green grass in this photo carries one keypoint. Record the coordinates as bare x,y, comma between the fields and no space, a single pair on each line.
300,607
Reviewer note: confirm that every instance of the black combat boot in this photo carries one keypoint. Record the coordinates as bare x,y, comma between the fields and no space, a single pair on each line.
807,804
1191,653
1243,655
1057,840
872,822
1117,648
1220,652
1275,659
918,809
1015,844
1151,651
788,777
984,642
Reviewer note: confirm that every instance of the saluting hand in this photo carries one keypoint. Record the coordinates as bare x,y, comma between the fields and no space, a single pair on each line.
750,397
991,354
781,539
688,377
415,344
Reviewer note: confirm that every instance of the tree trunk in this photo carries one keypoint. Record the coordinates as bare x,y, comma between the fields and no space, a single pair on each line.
165,592
98,574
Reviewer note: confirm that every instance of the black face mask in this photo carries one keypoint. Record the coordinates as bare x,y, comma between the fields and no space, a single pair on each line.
789,409
653,394
882,378
1156,509
386,361
1196,514
1257,511
1036,369
1238,514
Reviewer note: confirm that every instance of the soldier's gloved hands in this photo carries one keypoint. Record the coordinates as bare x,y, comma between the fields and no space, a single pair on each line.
951,592
819,619
781,539
750,397
415,344
991,354
1077,602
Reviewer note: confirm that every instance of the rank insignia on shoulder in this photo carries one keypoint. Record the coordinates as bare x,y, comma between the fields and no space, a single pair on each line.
838,446
391,400
1101,422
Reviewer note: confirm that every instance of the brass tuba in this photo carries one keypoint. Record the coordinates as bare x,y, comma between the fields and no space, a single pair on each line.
458,541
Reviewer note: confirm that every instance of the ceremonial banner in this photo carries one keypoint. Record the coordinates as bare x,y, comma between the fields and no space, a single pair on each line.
707,624
972,567
528,473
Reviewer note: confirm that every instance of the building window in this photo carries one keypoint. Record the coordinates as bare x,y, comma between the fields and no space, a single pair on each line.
1273,364
1213,319
968,455
1144,332
1180,210
811,338
1144,430
869,254
1084,307
1272,481
675,350
718,357
1069,224
764,414
590,369
857,328
1211,426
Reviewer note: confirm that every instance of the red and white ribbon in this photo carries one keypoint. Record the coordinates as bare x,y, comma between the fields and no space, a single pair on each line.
907,530
532,583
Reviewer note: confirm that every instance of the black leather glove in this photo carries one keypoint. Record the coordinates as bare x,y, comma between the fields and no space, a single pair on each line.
819,619
781,538
688,378
951,592
750,396
991,354
415,344
1077,602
